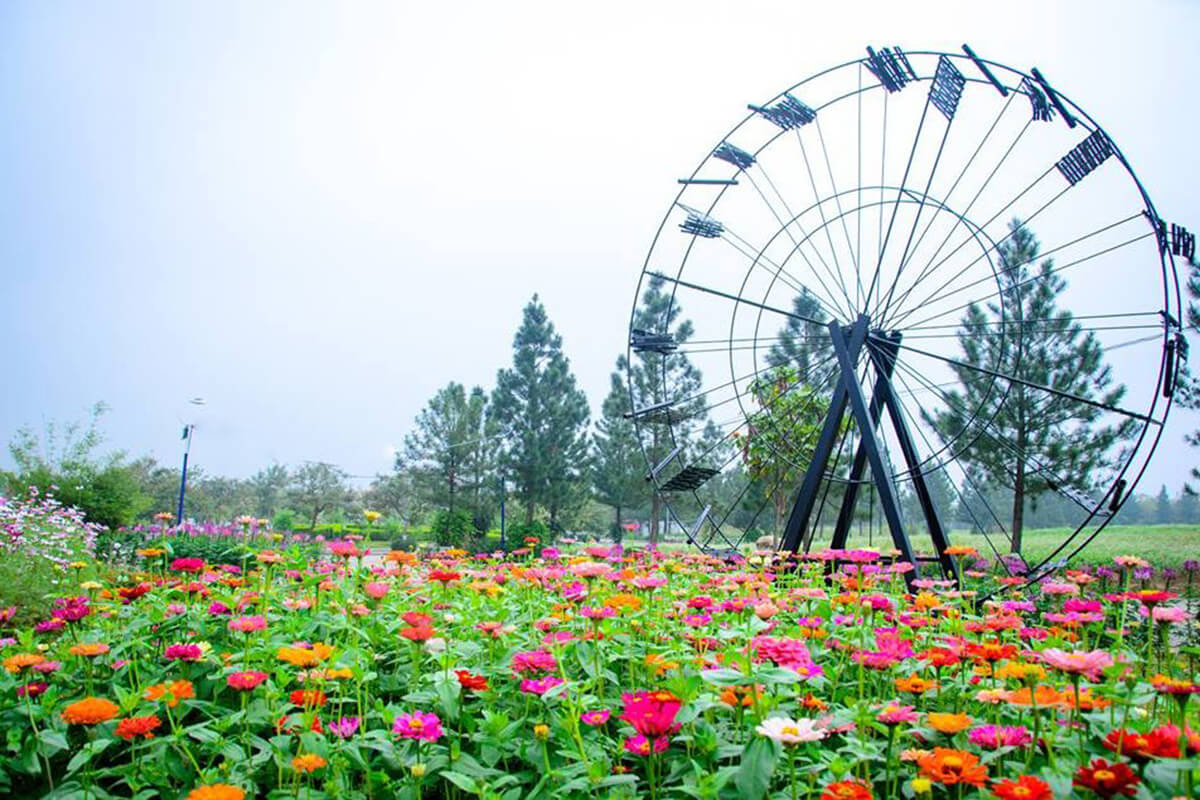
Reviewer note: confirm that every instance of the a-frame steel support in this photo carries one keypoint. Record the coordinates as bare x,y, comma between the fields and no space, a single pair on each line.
847,345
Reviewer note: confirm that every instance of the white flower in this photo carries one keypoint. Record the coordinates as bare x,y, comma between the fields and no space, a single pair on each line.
787,731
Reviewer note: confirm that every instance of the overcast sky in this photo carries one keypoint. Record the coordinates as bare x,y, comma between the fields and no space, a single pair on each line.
315,214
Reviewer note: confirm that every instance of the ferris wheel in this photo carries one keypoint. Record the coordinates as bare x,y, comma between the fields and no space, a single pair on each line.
911,296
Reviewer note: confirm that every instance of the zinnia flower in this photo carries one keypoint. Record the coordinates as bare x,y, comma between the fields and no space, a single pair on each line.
469,682
850,789
894,714
90,711
948,724
173,691
217,791
1025,787
951,767
308,698
595,718
639,745
789,732
418,725
992,737
132,727
188,564
184,652
1107,780
309,762
652,713
246,680
1141,747
248,624
345,727
1087,664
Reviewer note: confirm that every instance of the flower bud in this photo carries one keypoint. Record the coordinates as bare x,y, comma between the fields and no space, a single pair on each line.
417,770
541,732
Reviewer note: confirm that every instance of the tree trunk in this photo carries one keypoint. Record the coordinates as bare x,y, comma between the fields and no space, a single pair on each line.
316,513
1018,510
617,530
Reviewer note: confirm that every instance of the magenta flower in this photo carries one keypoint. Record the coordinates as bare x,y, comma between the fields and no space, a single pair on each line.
652,713
345,727
187,564
541,685
991,737
534,661
641,746
184,652
418,725
595,718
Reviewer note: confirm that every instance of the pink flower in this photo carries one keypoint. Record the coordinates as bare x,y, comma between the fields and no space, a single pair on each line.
184,652
344,549
376,591
245,681
188,564
991,737
533,661
595,718
247,624
893,714
418,725
1087,664
541,685
640,746
652,713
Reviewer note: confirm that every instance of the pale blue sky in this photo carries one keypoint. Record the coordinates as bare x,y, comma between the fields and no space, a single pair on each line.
315,214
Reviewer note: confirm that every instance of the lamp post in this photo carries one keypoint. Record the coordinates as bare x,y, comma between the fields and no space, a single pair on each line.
188,429
503,497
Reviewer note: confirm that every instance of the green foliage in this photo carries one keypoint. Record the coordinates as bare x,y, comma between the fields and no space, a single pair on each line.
447,457
285,519
1029,426
63,460
317,487
618,467
452,528
518,534
542,415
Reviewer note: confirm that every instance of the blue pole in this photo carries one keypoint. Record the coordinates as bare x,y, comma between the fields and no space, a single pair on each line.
183,476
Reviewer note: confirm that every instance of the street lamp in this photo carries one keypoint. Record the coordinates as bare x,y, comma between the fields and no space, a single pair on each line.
188,429
503,497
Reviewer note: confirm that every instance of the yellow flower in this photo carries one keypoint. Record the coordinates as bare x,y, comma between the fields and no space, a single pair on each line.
541,732
371,516
78,565
91,585
922,785
417,770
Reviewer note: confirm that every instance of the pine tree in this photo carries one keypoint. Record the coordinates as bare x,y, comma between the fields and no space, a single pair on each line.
665,378
542,416
1031,430
444,453
618,469
802,345
1162,507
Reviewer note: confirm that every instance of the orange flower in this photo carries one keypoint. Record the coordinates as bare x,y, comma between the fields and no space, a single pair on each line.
624,601
948,724
951,767
739,695
216,791
309,762
852,789
89,650
915,684
90,711
20,661
173,691
303,656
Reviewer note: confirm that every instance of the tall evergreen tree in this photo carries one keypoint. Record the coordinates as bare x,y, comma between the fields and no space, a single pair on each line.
444,450
665,378
542,416
802,345
1030,428
1162,507
618,469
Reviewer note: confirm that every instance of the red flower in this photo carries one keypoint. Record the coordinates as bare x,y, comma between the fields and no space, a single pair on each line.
188,564
443,576
418,634
851,789
1158,743
130,593
308,698
416,619
1025,787
133,727
247,680
474,683
1107,780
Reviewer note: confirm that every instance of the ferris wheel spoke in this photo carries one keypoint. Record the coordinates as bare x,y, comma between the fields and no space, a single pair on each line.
734,298
786,225
1052,271
950,192
757,259
1026,321
824,220
932,262
1029,384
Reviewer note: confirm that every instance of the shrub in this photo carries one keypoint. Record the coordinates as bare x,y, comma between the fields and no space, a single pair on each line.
285,520
41,538
453,528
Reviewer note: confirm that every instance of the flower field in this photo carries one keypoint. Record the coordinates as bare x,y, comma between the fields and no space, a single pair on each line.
598,673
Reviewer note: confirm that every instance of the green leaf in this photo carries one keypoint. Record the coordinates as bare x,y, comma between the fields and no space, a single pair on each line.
758,765
773,675
53,740
723,677
464,782
89,750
